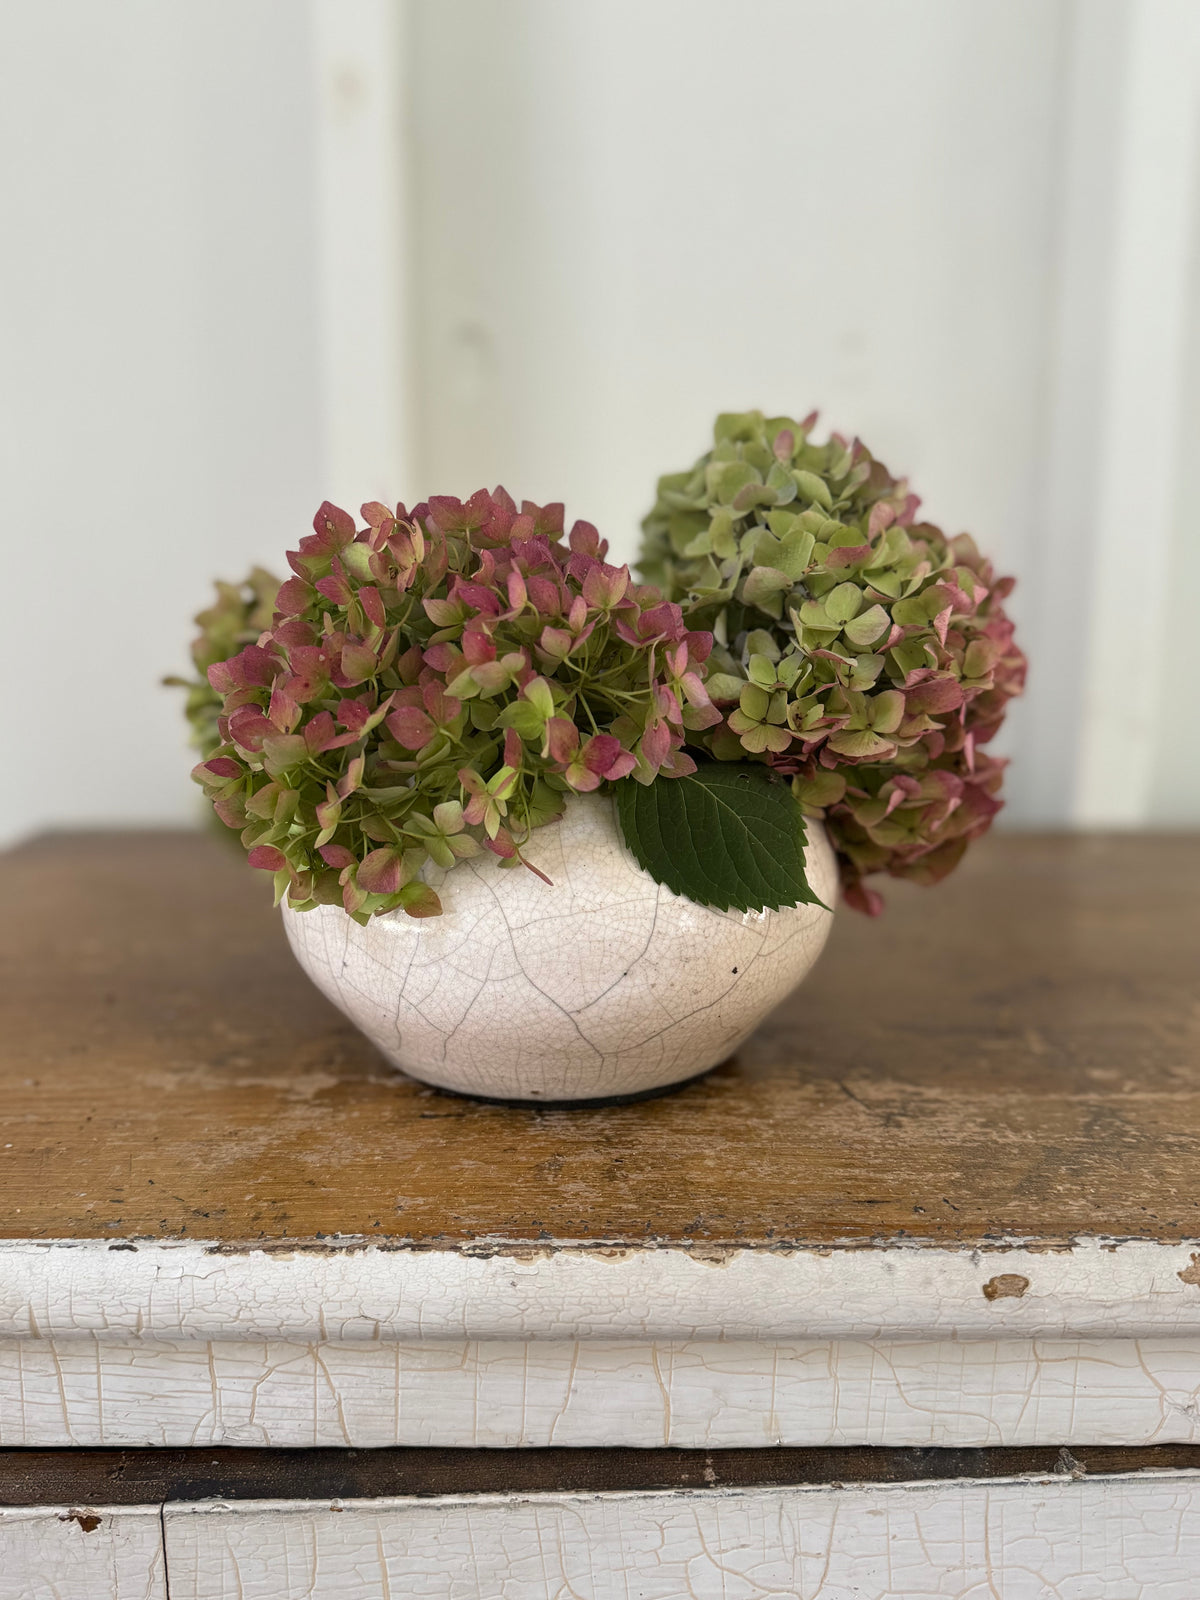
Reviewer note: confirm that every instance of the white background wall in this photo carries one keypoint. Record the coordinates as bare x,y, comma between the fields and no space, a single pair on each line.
258,252
159,394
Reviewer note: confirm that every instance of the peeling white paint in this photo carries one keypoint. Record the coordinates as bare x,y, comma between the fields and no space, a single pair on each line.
510,1393
1130,1537
503,1344
180,1344
1120,1538
55,1553
364,1291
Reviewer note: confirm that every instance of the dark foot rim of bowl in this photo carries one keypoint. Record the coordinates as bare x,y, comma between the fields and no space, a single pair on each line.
573,1105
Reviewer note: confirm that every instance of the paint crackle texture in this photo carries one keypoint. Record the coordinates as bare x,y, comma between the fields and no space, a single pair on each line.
601,982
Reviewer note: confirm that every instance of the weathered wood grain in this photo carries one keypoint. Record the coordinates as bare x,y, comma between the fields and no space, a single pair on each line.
136,1477
1016,1053
1115,1539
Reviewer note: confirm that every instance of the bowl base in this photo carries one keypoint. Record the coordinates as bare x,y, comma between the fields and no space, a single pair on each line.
593,1104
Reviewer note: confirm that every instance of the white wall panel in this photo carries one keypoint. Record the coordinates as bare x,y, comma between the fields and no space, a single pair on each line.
1142,477
362,249
634,215
159,385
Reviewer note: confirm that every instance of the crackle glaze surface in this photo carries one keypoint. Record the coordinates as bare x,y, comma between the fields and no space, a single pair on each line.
605,984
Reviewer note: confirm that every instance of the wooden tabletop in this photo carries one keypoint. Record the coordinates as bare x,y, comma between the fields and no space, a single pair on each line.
1016,1053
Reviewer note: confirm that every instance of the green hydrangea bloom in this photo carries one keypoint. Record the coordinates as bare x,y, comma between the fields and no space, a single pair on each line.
859,650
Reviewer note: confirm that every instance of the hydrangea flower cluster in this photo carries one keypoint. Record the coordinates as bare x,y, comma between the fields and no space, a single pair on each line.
235,619
433,685
858,650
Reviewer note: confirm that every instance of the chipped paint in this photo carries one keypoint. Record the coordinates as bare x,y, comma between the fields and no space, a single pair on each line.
366,1346
57,1552
88,1520
1006,1286
361,1290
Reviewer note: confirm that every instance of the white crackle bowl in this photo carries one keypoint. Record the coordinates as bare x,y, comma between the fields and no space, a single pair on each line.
604,986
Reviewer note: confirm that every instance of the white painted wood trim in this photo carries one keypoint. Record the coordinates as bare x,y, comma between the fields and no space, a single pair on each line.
1055,594
489,1393
509,1344
57,1553
1118,1538
362,248
501,1343
1137,463
365,1292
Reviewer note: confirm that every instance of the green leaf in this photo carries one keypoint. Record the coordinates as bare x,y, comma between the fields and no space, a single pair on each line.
728,835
